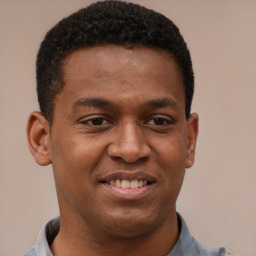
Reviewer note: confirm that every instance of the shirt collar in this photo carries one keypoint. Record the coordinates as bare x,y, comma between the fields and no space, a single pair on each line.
185,240
46,237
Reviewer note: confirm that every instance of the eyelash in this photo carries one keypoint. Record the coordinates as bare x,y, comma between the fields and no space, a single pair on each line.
156,121
96,121
164,121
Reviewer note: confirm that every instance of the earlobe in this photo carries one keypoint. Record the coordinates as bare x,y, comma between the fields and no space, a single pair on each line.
38,135
192,132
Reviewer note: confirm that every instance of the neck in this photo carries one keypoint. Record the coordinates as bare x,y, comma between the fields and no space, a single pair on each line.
76,239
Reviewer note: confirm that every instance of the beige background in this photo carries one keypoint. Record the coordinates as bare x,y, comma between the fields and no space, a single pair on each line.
218,196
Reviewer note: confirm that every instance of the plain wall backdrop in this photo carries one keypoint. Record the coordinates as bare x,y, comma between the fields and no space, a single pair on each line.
218,195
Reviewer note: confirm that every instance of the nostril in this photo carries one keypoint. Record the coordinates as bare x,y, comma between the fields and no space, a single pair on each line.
117,158
130,160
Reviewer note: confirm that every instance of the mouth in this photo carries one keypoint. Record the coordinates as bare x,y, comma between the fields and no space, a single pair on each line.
128,185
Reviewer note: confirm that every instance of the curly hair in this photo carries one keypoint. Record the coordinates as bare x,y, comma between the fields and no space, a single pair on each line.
103,23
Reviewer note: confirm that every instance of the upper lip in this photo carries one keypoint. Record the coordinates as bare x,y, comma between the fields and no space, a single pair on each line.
128,176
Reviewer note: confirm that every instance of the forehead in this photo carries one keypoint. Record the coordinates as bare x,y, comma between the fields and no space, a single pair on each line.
114,70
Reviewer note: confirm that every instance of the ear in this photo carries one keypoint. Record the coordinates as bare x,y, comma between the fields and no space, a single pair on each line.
38,135
192,132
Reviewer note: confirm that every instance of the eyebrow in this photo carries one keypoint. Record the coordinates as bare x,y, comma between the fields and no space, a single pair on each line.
100,103
92,102
161,103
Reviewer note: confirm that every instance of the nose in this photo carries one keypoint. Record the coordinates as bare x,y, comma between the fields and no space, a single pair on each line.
129,144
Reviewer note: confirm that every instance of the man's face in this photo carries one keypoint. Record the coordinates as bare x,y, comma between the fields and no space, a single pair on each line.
120,141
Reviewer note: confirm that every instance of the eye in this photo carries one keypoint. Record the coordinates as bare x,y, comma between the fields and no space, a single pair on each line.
159,121
97,121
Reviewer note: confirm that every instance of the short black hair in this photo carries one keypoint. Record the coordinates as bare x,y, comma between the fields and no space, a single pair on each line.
105,23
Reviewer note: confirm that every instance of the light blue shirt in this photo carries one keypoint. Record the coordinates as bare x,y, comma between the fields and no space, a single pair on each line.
185,246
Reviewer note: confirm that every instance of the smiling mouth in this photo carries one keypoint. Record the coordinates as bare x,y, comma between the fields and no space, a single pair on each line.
128,184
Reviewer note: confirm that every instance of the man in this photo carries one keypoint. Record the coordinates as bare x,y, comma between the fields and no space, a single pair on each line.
115,85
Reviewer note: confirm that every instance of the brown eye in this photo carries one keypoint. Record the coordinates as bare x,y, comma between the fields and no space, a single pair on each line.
159,121
97,121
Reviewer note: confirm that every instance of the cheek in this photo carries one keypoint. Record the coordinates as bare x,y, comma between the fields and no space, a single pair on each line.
172,159
74,161
75,151
172,153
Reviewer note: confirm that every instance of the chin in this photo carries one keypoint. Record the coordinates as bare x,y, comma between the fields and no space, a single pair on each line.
131,224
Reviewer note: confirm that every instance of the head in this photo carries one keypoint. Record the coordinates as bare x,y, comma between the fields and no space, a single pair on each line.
115,85
108,23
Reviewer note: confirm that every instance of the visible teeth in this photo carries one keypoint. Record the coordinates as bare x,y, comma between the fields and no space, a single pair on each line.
140,183
118,183
125,184
134,184
128,184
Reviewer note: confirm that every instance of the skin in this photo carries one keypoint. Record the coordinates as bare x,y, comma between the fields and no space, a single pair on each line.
136,126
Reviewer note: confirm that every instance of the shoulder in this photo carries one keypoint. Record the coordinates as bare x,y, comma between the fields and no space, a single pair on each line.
201,251
187,245
45,237
31,251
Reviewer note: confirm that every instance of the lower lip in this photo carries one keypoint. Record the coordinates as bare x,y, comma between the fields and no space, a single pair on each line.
128,193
